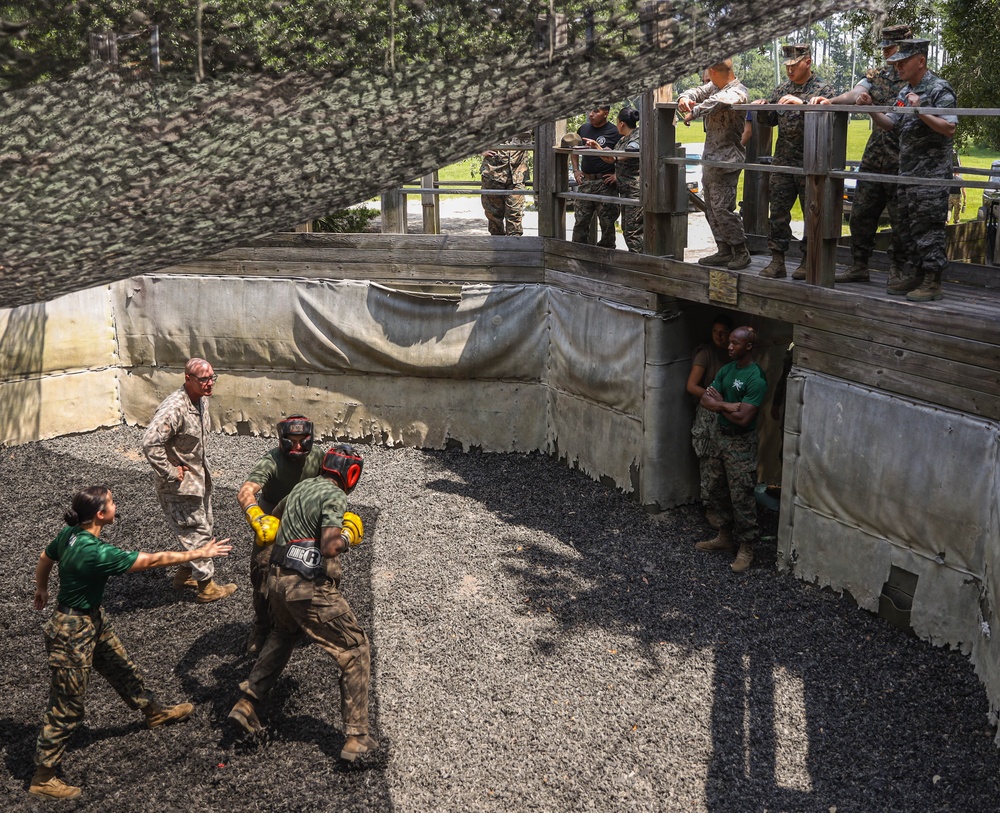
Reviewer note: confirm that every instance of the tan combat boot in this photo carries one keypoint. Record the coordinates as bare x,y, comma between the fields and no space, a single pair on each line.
244,716
724,541
45,783
157,715
800,269
776,268
895,275
928,290
208,591
741,257
743,558
183,578
905,284
722,256
356,746
858,272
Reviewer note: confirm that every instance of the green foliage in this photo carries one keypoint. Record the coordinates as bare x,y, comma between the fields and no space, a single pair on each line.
347,221
972,35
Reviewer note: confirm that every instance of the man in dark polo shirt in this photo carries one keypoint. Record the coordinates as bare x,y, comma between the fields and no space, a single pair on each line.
593,177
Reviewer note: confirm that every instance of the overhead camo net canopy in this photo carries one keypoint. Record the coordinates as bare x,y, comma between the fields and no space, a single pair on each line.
134,137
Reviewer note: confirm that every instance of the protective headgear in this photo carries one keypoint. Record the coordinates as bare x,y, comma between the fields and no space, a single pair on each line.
295,425
343,464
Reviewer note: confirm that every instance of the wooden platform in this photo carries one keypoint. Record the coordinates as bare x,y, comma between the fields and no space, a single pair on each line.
945,352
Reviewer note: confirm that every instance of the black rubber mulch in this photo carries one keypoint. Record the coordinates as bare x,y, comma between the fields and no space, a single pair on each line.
540,643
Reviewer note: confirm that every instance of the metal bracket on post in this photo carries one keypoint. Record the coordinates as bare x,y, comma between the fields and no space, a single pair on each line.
826,149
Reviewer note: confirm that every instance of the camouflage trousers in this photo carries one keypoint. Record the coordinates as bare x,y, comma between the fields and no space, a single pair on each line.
631,217
77,645
782,191
870,200
260,563
720,205
317,611
607,213
190,518
728,478
503,212
923,214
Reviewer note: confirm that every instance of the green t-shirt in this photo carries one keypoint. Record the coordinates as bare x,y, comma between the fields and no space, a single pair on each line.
277,474
736,385
314,504
85,565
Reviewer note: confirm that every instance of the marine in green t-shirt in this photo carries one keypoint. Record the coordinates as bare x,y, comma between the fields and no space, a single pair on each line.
741,385
277,474
85,565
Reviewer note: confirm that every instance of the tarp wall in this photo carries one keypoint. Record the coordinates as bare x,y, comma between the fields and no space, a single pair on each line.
58,367
856,463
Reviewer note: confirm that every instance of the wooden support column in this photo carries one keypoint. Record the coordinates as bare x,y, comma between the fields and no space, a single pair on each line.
664,191
551,177
825,149
755,197
394,212
431,204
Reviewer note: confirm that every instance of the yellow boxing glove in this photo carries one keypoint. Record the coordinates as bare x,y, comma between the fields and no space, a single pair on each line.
353,530
265,527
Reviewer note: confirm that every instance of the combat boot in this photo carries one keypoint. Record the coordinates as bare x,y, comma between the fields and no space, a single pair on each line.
244,715
743,558
157,715
722,256
208,591
724,541
183,578
356,746
905,284
928,291
45,783
895,275
741,257
858,272
776,268
800,270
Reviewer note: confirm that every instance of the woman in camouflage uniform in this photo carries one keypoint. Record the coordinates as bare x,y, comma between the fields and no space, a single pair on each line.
79,635
627,174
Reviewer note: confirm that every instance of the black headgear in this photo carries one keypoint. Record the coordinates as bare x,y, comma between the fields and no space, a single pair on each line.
343,464
295,425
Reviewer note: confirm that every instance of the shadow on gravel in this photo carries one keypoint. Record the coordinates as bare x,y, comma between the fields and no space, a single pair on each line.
185,651
864,714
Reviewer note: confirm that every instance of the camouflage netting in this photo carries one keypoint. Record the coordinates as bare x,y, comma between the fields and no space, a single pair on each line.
267,115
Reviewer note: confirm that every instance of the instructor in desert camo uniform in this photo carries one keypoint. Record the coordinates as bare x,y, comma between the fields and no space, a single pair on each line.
303,588
879,87
175,444
271,480
801,86
79,635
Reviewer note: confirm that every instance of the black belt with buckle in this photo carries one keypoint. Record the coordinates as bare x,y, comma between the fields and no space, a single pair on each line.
65,609
735,431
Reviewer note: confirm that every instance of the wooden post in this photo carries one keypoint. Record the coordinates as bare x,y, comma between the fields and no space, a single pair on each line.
551,177
825,149
664,191
755,198
430,203
394,212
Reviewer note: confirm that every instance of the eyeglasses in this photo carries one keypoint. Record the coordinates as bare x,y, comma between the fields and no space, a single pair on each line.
204,379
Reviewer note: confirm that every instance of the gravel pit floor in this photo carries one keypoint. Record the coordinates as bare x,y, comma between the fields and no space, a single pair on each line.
540,643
